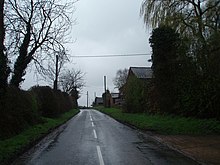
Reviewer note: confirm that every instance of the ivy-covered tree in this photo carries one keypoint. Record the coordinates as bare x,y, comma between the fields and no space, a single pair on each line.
4,69
36,30
165,43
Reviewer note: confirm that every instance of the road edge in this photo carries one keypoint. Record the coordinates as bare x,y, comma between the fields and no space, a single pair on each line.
153,136
37,140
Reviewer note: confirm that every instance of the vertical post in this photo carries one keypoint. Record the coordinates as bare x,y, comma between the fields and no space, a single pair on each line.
105,84
105,95
56,74
87,99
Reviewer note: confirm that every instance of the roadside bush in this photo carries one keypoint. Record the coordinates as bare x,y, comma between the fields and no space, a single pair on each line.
64,100
46,100
135,96
18,111
51,103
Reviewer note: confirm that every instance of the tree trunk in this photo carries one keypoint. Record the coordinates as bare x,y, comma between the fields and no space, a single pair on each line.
22,61
4,69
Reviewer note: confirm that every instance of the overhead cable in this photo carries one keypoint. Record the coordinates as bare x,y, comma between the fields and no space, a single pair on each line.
111,55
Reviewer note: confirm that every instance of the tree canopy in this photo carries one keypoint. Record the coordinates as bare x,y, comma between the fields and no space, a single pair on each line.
35,31
120,78
192,17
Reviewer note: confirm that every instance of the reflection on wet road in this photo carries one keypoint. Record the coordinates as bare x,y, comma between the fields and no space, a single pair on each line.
92,138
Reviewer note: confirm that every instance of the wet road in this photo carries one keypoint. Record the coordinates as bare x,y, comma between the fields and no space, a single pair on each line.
92,138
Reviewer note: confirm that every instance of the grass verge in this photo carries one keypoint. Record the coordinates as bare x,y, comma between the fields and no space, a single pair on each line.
166,124
13,146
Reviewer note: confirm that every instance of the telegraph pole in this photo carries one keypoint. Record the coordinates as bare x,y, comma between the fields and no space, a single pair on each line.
104,99
56,74
105,84
87,99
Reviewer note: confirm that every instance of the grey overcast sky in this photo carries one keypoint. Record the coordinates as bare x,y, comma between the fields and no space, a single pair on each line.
105,27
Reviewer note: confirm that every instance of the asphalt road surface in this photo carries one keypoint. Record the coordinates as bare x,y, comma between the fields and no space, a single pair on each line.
93,138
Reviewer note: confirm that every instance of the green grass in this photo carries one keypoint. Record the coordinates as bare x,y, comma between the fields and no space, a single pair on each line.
9,148
166,124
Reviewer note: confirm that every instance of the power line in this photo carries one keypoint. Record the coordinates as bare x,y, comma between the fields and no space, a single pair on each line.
111,55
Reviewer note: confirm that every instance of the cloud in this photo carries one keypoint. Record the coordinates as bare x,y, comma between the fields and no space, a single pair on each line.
107,27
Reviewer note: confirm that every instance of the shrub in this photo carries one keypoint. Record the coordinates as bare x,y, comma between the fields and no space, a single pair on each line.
135,95
51,103
18,111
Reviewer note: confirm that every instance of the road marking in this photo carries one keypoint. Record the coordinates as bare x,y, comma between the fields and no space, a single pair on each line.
95,135
93,124
101,162
90,118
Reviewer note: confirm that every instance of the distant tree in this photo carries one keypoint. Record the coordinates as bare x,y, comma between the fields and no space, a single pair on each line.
120,78
51,69
35,30
72,82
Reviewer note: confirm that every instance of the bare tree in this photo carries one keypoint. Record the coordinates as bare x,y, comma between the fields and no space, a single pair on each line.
72,80
121,77
51,69
36,30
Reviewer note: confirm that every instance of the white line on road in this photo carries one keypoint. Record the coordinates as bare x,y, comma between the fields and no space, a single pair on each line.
93,124
101,162
95,135
90,118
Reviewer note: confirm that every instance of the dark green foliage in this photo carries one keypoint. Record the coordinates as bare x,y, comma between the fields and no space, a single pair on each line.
51,102
135,95
19,69
18,111
199,89
21,109
165,43
185,84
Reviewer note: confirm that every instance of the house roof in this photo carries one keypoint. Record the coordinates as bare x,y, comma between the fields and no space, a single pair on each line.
142,72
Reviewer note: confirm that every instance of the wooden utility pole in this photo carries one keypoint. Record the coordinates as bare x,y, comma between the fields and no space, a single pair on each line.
87,99
56,74
105,84
104,99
